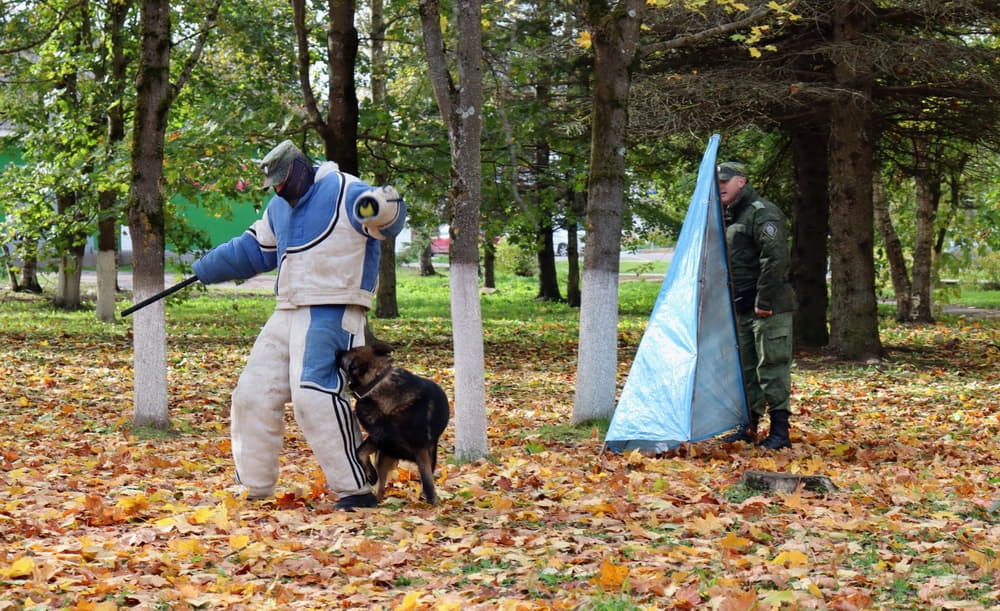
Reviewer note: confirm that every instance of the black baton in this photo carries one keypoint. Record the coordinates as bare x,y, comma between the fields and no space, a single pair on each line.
160,295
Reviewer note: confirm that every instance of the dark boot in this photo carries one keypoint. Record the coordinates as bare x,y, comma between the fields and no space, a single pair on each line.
746,433
777,437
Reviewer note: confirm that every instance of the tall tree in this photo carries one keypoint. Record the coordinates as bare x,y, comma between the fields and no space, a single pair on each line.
112,71
154,96
614,31
461,105
338,128
927,181
386,304
55,113
882,68
893,249
853,309
69,199
810,224
153,99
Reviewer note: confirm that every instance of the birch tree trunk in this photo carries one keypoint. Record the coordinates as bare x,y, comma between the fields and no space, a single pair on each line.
614,30
461,107
107,239
68,295
153,97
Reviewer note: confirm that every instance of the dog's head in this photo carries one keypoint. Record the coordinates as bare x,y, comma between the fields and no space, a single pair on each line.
363,365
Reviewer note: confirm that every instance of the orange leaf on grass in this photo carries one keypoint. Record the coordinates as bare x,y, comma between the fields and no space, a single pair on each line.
612,575
733,541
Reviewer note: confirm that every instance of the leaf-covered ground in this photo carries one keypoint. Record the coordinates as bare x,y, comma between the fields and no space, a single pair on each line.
93,516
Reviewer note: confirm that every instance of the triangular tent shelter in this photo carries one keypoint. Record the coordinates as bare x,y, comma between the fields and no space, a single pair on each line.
685,383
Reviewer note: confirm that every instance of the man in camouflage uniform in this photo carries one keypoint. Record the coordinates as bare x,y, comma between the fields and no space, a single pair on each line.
757,240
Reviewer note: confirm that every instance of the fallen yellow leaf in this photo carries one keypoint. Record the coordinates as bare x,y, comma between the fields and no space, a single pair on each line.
238,541
733,541
791,558
612,575
22,567
411,601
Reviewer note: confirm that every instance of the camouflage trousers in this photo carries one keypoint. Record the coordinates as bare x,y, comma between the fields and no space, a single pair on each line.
766,359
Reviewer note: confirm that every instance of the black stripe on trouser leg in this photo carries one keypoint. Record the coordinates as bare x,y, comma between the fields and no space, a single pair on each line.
342,408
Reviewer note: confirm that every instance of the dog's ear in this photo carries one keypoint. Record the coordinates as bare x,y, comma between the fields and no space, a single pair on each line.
382,348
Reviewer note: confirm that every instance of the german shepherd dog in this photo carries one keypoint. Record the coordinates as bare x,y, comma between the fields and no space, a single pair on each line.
402,413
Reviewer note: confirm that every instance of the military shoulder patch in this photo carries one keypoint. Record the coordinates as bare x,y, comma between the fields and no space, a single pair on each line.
770,229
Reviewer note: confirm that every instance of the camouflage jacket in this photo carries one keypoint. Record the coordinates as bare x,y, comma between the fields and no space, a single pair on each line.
757,239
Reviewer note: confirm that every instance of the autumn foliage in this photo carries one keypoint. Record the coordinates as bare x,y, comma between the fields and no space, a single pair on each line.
96,516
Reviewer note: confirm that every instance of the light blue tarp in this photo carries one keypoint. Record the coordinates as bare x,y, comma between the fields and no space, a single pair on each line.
685,383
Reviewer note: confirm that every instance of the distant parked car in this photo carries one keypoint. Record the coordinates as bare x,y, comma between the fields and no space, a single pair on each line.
440,246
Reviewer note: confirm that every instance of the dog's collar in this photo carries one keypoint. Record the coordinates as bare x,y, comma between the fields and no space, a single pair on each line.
382,376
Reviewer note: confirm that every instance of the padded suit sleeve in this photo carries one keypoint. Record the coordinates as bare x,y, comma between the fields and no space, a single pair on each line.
243,257
379,212
772,238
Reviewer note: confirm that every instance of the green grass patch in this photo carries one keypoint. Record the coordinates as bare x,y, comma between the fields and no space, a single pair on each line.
611,602
978,298
573,432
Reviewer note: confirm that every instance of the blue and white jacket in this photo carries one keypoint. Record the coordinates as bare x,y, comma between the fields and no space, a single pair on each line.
326,252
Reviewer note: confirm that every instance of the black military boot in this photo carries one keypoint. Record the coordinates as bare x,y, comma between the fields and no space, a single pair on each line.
746,433
777,437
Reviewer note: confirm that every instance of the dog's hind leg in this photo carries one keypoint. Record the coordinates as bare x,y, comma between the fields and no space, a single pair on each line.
424,461
364,453
385,464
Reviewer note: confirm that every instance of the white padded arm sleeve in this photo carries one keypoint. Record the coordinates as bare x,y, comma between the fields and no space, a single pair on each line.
378,209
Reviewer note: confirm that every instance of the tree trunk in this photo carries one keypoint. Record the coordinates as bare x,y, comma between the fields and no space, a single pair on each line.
342,113
107,284
462,113
11,268
854,312
893,249
339,128
67,294
489,265
579,206
954,174
146,215
107,226
426,262
928,195
154,96
107,258
29,274
548,281
810,232
614,33
386,303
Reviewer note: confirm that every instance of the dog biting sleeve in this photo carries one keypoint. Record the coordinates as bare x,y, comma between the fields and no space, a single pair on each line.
325,337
